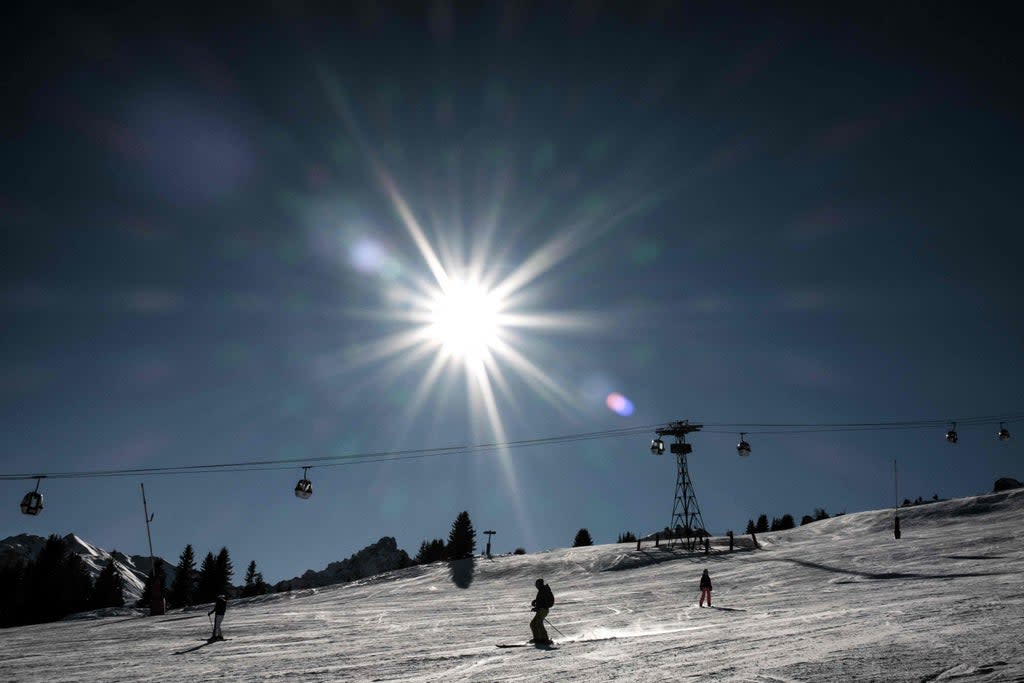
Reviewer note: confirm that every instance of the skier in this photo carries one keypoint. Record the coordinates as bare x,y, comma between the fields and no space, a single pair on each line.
219,607
705,588
541,605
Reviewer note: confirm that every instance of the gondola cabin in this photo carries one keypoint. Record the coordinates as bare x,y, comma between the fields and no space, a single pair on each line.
304,487
32,503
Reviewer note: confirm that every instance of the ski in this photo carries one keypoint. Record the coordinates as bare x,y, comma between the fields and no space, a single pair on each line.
541,646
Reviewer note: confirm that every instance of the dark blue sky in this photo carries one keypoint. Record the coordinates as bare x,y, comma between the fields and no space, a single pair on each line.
734,215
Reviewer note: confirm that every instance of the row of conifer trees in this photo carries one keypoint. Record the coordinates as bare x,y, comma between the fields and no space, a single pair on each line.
785,521
53,585
195,587
461,543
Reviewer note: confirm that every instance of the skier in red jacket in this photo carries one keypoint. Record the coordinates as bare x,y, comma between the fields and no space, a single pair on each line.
705,588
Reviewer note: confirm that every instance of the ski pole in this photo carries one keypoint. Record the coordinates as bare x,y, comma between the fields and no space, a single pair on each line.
554,627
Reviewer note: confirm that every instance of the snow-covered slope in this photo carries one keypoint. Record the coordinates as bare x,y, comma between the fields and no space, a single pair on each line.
837,600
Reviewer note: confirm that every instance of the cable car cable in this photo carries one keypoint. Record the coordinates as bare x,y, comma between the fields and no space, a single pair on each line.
409,454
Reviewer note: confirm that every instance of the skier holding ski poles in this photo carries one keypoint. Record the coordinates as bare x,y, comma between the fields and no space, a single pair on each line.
219,608
541,605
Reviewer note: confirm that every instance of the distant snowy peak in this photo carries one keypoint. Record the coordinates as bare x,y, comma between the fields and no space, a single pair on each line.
134,569
82,547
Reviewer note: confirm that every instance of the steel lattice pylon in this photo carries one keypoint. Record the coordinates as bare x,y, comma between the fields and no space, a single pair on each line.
687,521
685,510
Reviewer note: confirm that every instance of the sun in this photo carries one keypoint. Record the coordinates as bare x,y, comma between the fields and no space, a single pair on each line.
465,320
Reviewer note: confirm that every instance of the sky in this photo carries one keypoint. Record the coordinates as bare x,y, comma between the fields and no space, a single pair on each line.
837,600
349,238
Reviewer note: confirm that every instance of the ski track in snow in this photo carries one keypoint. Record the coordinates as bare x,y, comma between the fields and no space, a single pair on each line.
837,600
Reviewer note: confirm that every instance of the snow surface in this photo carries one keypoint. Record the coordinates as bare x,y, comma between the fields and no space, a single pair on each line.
836,600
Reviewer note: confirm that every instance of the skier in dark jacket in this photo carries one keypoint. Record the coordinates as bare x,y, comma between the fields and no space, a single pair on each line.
705,588
219,608
541,605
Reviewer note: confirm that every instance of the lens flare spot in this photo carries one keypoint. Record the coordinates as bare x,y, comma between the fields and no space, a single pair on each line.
367,256
617,403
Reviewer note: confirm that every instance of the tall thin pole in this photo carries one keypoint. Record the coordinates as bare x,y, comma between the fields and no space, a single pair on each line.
149,518
157,605
895,484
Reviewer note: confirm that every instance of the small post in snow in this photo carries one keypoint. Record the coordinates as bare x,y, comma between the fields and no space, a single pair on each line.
489,534
896,495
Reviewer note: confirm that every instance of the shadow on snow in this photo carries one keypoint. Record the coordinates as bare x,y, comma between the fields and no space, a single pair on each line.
461,572
882,576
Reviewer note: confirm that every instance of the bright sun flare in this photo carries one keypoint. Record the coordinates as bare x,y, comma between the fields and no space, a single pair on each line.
465,320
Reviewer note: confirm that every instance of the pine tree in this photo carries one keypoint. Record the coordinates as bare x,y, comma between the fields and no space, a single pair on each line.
582,538
254,584
223,572
183,588
56,584
12,596
76,585
109,588
627,537
762,524
423,554
806,519
431,551
43,578
438,551
250,579
462,538
750,527
206,585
